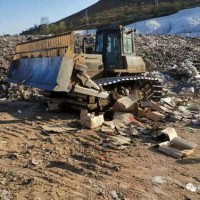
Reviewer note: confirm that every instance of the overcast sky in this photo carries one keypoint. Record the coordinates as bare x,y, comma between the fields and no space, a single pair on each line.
19,15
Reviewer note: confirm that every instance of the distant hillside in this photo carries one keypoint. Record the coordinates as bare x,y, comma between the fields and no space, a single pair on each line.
115,11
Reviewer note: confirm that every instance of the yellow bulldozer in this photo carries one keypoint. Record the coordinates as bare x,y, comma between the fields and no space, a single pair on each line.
90,81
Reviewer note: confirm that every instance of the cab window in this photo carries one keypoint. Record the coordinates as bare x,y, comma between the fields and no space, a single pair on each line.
99,42
128,43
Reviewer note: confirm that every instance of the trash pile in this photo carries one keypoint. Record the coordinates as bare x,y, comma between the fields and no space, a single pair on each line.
7,49
132,119
84,41
164,52
175,56
8,44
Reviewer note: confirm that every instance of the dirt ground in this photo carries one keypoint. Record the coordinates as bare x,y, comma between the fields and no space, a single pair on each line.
36,165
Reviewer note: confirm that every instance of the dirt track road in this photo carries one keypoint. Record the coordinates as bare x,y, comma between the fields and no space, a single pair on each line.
35,165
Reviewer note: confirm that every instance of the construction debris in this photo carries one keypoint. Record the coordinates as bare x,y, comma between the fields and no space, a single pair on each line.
155,115
125,104
177,147
91,121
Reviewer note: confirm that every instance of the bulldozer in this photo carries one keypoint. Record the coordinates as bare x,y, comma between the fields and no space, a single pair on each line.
91,80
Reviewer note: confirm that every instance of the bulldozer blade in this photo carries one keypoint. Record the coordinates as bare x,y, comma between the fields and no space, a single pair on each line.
47,73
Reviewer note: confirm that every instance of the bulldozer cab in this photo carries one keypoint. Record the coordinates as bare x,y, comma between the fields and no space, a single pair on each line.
114,43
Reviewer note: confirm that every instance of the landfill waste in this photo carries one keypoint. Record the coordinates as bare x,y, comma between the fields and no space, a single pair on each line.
196,122
158,180
7,49
90,120
192,187
5,194
128,123
158,51
117,195
162,180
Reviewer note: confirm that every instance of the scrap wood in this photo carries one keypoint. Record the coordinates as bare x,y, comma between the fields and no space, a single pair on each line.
155,115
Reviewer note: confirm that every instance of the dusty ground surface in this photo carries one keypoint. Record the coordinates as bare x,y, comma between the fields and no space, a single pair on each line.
75,165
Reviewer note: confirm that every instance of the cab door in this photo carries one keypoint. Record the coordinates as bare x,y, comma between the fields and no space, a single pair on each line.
112,58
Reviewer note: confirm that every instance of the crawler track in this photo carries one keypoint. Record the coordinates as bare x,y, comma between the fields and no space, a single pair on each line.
150,87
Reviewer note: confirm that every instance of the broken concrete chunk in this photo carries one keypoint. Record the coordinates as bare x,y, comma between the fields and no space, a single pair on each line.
158,180
123,117
125,104
91,121
141,112
155,115
155,106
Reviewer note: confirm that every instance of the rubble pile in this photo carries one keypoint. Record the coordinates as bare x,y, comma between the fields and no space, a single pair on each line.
133,120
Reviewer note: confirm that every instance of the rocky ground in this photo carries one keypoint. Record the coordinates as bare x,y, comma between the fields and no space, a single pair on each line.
81,164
